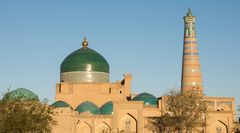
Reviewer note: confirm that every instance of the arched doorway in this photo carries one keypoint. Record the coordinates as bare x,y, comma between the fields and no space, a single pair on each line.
128,124
218,127
103,128
83,127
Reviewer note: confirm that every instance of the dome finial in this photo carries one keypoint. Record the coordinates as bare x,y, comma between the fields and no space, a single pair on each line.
189,12
84,43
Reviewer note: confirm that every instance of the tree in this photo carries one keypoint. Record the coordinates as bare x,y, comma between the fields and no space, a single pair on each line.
160,124
25,116
185,112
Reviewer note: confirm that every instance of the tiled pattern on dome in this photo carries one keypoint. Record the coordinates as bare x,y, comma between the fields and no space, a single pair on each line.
84,59
147,98
88,107
60,104
107,108
21,93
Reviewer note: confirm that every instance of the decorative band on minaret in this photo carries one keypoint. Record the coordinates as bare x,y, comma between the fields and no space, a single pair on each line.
191,73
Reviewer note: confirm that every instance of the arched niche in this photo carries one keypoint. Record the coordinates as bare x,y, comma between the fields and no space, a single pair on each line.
83,127
218,127
128,124
223,107
103,128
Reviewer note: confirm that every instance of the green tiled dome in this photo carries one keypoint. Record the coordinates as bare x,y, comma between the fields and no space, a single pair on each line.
107,108
60,104
148,99
21,93
81,59
88,107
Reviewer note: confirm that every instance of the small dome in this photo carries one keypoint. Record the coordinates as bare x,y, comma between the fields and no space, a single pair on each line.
60,104
107,108
21,93
88,107
148,99
84,65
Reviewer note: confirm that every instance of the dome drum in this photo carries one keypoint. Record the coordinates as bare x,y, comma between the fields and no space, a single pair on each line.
85,76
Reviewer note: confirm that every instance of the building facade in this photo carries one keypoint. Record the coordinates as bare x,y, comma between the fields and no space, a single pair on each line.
87,102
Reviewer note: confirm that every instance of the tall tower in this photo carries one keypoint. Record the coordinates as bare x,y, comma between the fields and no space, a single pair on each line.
191,74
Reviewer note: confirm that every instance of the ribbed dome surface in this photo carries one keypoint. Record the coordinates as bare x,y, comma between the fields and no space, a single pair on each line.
21,93
147,98
60,104
84,59
88,107
107,108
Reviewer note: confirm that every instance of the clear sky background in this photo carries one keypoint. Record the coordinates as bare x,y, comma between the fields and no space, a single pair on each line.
140,37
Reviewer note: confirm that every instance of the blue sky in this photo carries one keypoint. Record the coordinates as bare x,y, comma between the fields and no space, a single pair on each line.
143,38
